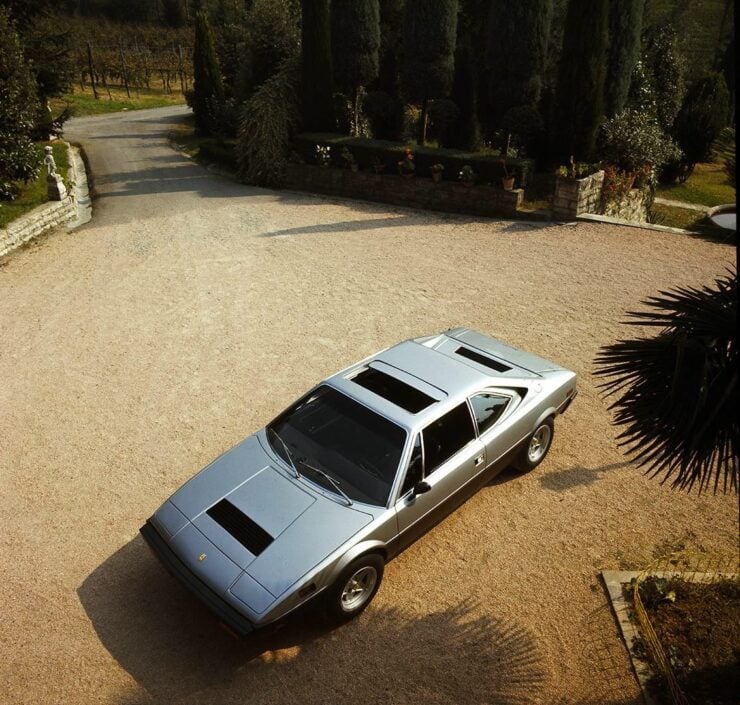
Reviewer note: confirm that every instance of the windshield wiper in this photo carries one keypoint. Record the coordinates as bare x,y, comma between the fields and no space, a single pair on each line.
333,482
287,451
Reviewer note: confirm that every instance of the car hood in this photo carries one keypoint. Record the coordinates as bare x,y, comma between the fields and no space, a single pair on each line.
273,527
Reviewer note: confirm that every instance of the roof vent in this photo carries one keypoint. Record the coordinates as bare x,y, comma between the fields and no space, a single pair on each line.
250,535
482,359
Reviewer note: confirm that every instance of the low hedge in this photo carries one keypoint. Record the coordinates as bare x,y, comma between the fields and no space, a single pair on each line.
487,167
219,151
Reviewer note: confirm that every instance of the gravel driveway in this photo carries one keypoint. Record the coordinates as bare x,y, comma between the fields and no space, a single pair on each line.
187,313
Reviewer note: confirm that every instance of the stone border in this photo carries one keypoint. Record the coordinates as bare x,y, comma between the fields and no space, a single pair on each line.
614,579
592,217
74,208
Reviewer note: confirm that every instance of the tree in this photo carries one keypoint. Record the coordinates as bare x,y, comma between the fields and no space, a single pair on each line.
680,389
173,13
625,29
516,52
579,99
208,87
464,132
316,67
704,113
355,41
18,109
429,52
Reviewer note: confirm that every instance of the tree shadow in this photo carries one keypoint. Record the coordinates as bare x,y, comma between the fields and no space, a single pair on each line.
567,479
173,647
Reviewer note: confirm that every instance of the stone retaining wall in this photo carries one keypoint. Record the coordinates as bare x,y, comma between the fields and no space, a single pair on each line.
413,192
40,220
573,197
632,207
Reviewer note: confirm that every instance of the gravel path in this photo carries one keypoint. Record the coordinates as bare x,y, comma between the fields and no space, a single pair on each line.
187,313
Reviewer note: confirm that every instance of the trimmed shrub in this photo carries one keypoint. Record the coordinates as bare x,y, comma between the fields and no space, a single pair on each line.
208,86
631,140
317,80
268,122
367,153
464,132
385,115
625,28
443,113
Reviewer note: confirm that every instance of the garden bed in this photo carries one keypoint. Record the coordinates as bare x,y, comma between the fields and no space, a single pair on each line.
698,625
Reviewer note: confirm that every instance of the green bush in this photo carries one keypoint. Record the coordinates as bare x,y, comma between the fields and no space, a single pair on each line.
385,115
369,152
268,121
632,139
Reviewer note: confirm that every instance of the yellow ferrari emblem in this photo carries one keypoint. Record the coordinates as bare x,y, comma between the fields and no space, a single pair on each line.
202,557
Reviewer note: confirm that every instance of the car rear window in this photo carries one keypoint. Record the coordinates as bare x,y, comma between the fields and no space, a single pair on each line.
394,390
482,359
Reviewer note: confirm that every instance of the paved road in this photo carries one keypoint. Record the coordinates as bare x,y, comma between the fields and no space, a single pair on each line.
187,313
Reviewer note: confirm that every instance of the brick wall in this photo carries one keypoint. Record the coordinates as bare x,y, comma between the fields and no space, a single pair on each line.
413,192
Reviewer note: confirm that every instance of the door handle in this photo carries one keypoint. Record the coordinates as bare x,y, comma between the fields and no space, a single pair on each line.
478,460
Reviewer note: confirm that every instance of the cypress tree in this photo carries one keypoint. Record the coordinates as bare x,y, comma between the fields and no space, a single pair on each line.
429,52
625,28
579,98
208,86
516,52
316,67
704,113
355,41
18,108
464,133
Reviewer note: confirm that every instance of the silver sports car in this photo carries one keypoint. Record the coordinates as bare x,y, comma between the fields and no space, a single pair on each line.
313,505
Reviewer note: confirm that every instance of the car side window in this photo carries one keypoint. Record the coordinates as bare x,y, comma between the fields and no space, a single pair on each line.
488,409
415,472
445,436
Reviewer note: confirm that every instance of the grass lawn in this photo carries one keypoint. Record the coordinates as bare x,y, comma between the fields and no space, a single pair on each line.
34,192
83,102
707,186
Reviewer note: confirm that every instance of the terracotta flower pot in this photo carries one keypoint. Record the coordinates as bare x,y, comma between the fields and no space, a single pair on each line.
507,183
436,176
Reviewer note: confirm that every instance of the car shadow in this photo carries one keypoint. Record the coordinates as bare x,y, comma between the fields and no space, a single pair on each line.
175,650
563,480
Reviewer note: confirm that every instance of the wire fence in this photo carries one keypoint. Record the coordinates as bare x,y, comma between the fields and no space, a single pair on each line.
692,569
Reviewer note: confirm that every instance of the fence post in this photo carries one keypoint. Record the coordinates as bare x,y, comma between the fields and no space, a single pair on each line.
123,69
92,70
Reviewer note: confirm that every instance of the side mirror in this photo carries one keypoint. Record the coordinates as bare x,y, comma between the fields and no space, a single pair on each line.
421,488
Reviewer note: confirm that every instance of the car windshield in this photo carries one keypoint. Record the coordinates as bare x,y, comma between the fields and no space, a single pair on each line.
332,433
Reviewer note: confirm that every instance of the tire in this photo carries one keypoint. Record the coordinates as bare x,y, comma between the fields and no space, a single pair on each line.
355,588
536,448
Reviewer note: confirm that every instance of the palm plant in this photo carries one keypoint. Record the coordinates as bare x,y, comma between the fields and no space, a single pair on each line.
678,390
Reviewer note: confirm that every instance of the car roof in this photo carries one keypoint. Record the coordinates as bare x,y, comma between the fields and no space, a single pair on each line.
434,367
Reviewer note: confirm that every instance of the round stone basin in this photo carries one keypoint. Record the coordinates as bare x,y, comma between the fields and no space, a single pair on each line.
724,216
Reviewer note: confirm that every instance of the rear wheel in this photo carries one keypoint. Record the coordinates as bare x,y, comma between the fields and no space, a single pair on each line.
356,586
536,447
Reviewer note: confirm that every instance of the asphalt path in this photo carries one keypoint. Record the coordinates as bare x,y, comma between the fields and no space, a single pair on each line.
190,311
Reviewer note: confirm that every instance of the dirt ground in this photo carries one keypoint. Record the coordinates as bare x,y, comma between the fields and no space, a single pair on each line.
190,311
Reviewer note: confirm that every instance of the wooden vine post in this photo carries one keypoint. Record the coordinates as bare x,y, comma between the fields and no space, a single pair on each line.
92,70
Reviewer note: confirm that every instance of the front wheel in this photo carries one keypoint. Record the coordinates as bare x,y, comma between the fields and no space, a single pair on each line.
536,447
356,586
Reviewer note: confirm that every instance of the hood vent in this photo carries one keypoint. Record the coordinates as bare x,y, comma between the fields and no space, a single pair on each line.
482,359
250,535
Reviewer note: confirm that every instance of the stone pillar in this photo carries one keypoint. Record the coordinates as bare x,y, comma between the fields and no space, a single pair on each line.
55,188
576,196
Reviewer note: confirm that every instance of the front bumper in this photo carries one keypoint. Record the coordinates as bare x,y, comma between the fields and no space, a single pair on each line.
233,619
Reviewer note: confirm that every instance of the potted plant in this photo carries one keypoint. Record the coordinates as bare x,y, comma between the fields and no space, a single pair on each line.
507,180
436,171
349,160
406,166
467,176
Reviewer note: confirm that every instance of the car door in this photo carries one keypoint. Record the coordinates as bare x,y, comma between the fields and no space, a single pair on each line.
500,427
446,455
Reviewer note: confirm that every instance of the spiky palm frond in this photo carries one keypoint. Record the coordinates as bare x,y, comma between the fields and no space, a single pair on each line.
678,390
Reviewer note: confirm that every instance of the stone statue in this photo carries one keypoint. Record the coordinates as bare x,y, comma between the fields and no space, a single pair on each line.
55,188
51,166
